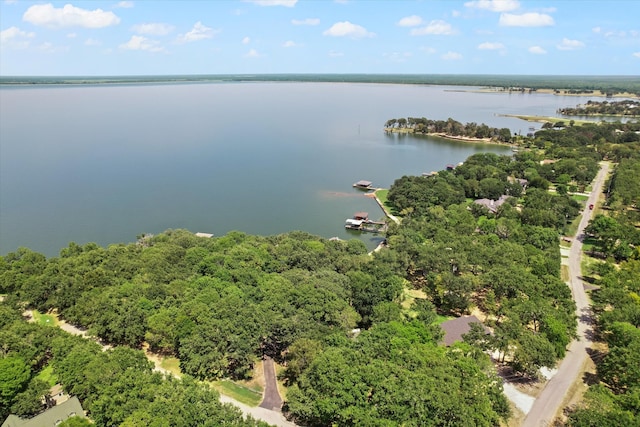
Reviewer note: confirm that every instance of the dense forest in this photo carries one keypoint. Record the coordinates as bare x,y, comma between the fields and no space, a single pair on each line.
605,108
357,345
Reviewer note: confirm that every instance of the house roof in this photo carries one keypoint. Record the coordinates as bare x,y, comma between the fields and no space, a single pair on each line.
492,205
49,418
455,328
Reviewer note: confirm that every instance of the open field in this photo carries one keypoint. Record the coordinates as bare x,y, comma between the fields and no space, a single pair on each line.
238,392
48,376
44,319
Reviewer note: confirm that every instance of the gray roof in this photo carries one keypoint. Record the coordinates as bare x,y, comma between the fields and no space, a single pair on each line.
49,418
455,328
492,205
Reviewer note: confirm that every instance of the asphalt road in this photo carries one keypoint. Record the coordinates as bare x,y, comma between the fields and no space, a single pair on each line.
271,399
549,401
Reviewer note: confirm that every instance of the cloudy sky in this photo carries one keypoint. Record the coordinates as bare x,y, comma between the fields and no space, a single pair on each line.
319,36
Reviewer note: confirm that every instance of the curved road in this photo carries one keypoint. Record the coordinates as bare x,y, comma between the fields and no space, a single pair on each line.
549,402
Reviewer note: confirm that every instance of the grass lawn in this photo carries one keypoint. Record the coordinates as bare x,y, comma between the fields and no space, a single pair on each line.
579,197
572,228
564,273
44,319
48,376
171,364
382,194
238,392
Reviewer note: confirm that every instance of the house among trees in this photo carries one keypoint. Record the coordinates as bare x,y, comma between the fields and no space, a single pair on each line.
492,205
454,329
49,418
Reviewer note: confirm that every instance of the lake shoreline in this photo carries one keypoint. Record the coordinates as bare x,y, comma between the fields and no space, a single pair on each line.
555,92
449,137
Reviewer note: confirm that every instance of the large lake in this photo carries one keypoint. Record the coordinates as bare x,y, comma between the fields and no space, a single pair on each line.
105,163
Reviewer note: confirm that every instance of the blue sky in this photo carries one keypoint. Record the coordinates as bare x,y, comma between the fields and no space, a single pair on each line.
319,36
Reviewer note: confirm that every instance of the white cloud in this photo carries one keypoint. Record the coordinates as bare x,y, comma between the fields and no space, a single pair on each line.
537,50
68,16
494,5
92,42
72,35
153,28
253,54
456,13
451,56
410,21
246,40
437,27
397,56
568,44
346,28
15,38
286,3
532,19
596,30
290,43
10,1
428,49
335,54
125,4
636,54
490,46
198,32
49,47
142,43
308,21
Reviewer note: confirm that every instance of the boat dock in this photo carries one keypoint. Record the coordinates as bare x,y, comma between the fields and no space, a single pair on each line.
361,222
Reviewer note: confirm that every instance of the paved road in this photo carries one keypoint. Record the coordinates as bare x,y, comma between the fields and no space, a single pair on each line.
271,399
546,406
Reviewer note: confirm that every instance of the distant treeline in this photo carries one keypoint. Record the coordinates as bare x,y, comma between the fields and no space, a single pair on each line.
449,127
608,84
604,108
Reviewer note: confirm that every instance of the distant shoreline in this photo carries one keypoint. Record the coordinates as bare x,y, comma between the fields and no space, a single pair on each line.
548,119
619,86
548,91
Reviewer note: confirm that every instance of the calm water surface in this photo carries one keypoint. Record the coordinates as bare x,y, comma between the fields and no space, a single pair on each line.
106,163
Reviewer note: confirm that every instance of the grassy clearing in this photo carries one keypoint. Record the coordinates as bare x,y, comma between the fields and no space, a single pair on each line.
44,319
564,273
48,376
579,197
382,195
238,392
171,364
